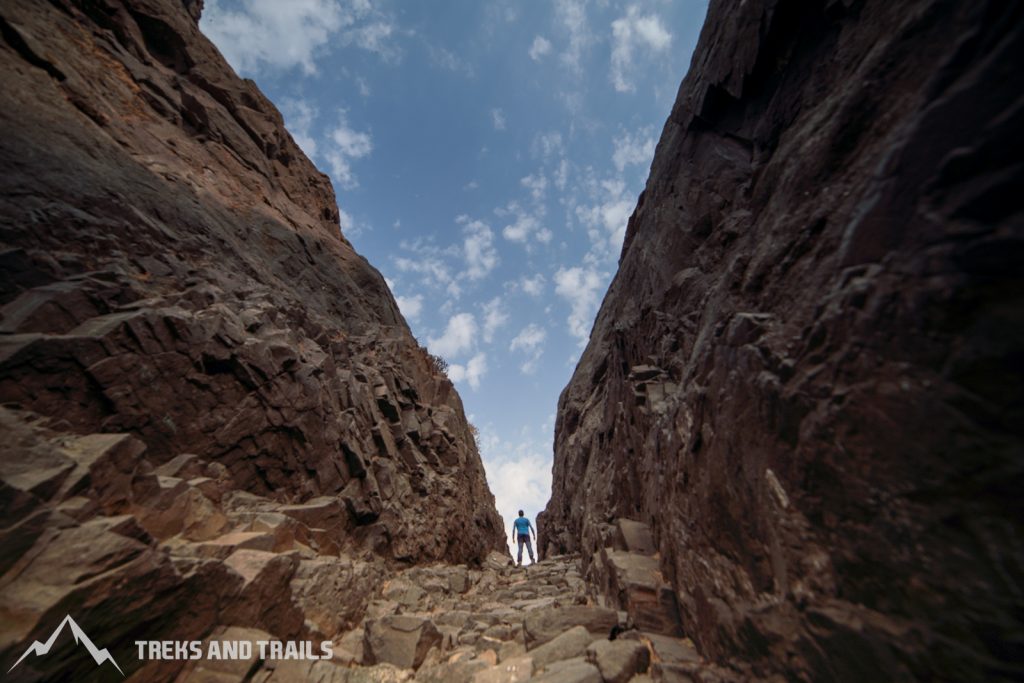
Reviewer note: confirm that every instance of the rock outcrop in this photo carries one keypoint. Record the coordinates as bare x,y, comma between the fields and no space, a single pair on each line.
214,415
806,375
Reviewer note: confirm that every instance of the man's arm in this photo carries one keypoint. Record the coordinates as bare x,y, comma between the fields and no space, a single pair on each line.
534,531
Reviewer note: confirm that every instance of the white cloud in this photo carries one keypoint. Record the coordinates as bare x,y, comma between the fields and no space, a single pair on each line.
537,185
495,315
615,216
345,222
547,144
284,35
525,223
427,261
495,15
349,144
478,248
277,34
533,286
449,61
581,288
498,119
521,228
299,117
562,175
410,306
459,335
529,341
541,46
606,219
630,32
573,16
606,224
435,272
633,148
373,37
652,33
471,373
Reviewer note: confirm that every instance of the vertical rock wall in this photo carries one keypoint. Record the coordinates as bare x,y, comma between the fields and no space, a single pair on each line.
806,375
209,400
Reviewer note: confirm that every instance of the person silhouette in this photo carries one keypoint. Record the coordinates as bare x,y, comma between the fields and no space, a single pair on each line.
521,529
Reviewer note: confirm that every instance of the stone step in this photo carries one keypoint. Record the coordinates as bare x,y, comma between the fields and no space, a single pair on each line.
633,537
633,582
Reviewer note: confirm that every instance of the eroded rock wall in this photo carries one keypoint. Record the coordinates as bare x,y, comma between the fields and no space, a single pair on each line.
806,374
211,404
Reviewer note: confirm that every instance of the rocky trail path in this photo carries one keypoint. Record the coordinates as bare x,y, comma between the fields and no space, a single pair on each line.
547,622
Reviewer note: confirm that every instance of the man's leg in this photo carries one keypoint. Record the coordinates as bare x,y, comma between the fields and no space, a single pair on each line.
519,560
529,549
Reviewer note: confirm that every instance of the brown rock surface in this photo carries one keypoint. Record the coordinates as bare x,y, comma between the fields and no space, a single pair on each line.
207,394
806,375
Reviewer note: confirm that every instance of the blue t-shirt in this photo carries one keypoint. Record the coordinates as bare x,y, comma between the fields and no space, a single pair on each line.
522,526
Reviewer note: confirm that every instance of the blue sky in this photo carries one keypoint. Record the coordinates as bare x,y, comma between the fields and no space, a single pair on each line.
486,158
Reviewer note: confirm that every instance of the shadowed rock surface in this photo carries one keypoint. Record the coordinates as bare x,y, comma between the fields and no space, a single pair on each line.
807,373
213,414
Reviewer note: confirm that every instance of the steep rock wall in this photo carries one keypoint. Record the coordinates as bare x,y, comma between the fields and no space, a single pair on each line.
209,399
806,374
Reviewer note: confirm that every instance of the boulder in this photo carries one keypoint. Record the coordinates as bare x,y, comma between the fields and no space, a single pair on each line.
497,560
401,640
572,643
404,592
460,671
666,648
458,580
514,670
541,625
618,660
576,671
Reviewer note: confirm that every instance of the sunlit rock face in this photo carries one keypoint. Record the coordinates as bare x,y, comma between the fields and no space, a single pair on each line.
212,410
806,374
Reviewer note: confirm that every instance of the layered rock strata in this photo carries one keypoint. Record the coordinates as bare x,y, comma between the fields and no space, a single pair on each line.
806,374
214,415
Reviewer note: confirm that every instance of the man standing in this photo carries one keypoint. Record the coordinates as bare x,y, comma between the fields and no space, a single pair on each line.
521,528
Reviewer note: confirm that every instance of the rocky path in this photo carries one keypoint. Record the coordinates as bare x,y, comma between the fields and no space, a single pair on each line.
497,624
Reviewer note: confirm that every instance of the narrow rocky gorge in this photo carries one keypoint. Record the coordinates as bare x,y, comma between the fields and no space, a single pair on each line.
791,450
806,375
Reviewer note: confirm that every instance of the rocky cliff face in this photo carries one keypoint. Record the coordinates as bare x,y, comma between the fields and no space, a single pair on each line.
806,375
213,412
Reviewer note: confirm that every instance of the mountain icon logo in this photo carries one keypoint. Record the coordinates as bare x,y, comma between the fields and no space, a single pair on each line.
39,649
